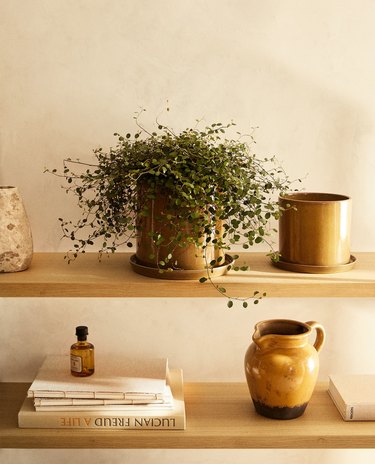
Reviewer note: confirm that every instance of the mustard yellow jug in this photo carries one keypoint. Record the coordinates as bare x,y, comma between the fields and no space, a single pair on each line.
282,366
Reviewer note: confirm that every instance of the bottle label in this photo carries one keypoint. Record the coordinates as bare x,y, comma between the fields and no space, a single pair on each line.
75,363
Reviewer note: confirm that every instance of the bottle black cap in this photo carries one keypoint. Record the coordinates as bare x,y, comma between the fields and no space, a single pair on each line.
82,332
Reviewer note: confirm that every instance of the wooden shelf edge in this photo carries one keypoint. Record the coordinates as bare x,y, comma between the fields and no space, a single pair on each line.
219,415
51,276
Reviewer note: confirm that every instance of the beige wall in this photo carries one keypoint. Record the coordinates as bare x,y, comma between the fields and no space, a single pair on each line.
72,72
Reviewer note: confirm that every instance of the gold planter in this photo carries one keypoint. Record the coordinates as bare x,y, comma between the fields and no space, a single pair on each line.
314,232
188,260
281,366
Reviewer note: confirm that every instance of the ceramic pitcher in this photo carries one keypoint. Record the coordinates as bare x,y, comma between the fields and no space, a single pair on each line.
282,366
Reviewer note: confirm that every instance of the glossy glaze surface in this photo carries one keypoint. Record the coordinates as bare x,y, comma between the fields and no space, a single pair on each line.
165,222
314,229
282,366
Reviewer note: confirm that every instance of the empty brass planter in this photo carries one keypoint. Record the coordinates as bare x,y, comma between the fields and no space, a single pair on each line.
314,233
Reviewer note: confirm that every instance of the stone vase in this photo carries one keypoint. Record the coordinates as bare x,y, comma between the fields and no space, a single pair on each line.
16,244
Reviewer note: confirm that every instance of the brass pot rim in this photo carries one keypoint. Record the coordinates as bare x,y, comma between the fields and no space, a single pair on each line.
314,197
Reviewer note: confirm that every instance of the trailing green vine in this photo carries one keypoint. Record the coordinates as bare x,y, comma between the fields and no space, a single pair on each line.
226,194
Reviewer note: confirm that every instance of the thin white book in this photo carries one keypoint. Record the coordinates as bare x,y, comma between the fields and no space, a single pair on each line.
108,407
114,378
354,396
73,404
142,418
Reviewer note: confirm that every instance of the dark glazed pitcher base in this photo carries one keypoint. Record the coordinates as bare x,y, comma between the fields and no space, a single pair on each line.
283,413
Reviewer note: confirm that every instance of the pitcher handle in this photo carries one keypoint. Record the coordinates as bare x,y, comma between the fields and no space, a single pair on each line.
320,334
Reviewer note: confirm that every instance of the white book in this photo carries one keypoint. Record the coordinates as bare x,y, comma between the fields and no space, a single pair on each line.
354,396
152,418
114,378
93,404
109,407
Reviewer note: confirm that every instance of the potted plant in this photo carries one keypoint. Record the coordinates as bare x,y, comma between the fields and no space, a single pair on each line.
187,198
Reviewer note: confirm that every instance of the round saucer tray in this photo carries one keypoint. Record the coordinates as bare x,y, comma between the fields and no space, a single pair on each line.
178,274
311,269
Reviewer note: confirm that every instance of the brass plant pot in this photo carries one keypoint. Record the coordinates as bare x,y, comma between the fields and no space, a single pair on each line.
187,260
314,232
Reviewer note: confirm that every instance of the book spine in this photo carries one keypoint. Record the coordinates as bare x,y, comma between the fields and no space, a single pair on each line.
359,412
95,395
109,407
73,402
59,421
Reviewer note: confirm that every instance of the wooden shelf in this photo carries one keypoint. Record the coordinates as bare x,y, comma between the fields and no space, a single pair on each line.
51,276
219,415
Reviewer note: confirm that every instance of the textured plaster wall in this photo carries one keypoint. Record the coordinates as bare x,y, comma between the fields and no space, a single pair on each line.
74,72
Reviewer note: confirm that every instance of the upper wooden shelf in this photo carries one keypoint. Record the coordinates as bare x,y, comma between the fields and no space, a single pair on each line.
51,276
218,415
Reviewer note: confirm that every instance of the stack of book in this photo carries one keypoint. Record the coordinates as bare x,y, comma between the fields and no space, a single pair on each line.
121,394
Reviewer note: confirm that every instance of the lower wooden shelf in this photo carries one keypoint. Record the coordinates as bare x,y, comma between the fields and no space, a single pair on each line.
219,415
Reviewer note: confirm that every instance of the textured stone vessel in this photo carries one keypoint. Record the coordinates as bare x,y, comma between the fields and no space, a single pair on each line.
16,244
282,366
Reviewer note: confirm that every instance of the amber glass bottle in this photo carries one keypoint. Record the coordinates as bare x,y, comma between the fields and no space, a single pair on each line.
82,354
